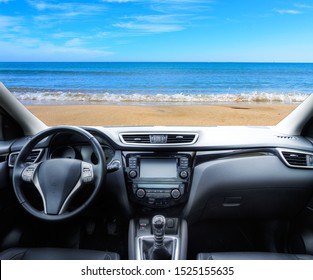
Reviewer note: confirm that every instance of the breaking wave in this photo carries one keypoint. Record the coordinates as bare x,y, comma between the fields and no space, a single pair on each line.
96,97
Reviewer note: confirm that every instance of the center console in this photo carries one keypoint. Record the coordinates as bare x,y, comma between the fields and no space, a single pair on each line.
158,180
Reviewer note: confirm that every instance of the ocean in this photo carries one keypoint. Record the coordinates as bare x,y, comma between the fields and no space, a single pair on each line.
157,83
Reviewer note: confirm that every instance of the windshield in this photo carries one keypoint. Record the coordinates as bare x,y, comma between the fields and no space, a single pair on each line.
157,62
171,93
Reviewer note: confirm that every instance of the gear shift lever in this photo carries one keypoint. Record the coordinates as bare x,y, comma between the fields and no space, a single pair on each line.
158,226
159,251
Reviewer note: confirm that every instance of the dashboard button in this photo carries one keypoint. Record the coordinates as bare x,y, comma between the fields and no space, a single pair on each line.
132,174
175,193
183,174
140,193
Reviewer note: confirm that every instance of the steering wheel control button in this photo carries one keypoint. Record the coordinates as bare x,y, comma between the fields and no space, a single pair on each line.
87,173
28,174
175,193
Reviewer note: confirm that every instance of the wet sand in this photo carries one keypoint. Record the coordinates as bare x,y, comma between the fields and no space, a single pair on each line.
193,115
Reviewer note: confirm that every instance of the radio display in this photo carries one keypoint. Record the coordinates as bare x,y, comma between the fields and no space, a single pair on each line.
158,168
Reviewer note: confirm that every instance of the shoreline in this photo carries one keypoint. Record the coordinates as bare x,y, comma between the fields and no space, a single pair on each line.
55,97
162,115
157,103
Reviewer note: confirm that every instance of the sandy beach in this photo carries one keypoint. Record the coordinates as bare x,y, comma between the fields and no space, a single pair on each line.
193,115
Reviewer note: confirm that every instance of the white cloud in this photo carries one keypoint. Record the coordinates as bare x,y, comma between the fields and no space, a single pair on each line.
288,12
101,35
64,35
182,1
74,36
165,6
150,28
68,9
119,1
49,52
42,5
159,23
303,6
58,18
8,21
11,25
159,18
158,1
44,18
74,42
27,42
47,21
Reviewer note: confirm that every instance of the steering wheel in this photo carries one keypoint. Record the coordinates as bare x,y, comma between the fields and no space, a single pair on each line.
58,180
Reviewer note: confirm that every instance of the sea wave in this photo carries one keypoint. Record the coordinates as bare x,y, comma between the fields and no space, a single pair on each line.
77,97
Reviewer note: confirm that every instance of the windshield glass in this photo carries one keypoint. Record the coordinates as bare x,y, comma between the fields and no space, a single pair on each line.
157,62
158,93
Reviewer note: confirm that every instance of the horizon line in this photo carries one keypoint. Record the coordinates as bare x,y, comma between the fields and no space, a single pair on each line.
273,62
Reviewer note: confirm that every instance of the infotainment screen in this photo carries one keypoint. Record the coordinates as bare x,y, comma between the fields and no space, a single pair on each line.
158,168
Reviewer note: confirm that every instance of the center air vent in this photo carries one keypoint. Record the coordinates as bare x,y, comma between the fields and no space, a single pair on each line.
178,138
136,138
159,138
297,159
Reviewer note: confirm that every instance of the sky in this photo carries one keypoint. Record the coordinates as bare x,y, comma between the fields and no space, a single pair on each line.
156,30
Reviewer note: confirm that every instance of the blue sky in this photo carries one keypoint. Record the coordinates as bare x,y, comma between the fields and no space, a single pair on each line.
157,30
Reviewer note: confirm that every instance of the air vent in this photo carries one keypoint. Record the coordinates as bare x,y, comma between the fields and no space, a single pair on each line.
32,158
136,138
180,138
286,137
159,138
298,159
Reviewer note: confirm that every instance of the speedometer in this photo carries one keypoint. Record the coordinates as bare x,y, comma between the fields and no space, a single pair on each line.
64,152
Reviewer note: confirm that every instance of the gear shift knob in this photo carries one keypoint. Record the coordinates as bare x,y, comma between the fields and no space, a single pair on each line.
158,227
158,221
159,250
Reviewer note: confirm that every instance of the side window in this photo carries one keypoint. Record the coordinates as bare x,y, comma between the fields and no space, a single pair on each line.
9,128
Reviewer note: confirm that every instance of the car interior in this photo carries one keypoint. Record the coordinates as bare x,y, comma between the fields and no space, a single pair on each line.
151,193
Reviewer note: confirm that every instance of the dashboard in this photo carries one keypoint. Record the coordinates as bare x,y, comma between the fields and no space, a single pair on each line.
200,173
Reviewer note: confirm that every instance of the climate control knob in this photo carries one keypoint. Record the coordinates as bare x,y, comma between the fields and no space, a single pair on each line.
175,193
140,193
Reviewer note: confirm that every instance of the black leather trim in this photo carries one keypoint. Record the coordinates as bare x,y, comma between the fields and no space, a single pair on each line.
56,254
131,240
252,256
183,240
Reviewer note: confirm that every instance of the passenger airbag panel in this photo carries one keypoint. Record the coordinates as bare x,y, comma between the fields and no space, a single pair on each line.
253,187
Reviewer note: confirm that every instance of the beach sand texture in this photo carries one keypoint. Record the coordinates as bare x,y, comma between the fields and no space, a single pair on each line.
193,115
